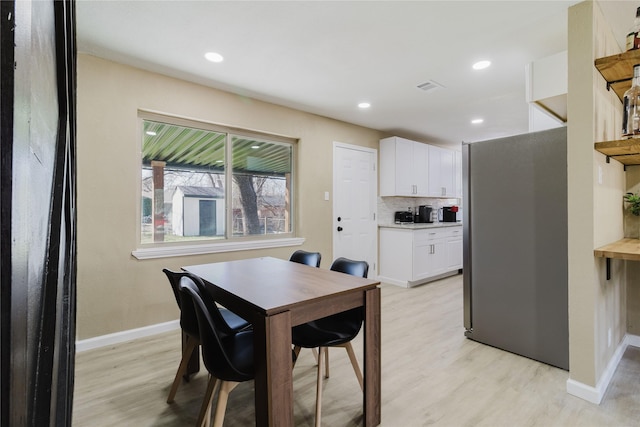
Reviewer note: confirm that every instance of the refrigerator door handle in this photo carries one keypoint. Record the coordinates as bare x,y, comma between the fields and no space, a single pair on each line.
466,236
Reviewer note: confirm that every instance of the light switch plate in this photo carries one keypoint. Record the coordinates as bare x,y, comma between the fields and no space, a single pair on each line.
599,174
326,195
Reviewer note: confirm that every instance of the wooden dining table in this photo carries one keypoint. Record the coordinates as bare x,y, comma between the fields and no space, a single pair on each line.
274,295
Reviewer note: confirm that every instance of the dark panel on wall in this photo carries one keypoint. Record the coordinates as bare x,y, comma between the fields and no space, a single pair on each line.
7,16
38,269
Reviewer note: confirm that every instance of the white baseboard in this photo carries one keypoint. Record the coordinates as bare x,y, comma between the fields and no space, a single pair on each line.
583,391
131,334
410,284
392,281
595,394
632,340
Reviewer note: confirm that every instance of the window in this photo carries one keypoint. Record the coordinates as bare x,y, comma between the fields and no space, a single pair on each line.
203,182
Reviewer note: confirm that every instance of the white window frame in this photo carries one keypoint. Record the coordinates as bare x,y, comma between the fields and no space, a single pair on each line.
229,243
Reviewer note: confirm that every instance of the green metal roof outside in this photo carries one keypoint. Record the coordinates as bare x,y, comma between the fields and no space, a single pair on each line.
198,149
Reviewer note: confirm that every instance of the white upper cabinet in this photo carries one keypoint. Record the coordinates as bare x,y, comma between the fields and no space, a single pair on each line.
442,182
403,167
546,86
413,169
458,173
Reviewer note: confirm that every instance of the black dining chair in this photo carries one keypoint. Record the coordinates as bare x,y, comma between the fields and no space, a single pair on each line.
227,354
336,330
308,258
189,326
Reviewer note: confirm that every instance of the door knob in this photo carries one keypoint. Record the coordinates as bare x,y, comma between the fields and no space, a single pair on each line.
339,228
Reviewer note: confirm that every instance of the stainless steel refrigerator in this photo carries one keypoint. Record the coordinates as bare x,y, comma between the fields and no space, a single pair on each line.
515,244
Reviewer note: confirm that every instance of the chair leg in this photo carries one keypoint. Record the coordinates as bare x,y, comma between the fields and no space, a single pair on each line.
221,407
321,355
296,351
326,362
191,345
354,363
206,403
315,354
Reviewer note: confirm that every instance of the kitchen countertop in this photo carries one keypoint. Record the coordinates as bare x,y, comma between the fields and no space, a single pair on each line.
420,226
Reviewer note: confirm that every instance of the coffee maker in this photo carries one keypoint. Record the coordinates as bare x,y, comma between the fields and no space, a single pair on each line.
449,214
423,215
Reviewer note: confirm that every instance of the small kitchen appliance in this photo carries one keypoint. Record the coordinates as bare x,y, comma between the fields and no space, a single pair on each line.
423,214
449,214
402,217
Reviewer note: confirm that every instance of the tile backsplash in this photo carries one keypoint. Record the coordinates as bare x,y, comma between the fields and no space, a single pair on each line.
388,205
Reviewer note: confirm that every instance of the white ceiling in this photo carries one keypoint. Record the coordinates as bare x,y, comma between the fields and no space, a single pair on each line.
325,57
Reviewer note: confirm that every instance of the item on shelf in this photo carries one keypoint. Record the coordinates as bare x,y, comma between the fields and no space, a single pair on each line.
633,39
631,106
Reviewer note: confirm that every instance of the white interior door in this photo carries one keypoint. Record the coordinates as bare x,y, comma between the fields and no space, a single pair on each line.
355,232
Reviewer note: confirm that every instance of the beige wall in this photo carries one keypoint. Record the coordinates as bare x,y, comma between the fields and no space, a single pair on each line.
632,229
596,306
116,292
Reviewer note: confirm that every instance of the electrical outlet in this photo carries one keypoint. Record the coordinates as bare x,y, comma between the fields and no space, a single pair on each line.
599,174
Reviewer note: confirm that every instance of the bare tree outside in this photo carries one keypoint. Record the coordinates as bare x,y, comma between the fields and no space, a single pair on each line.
249,201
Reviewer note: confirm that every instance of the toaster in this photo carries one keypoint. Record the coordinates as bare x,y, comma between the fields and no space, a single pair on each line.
403,216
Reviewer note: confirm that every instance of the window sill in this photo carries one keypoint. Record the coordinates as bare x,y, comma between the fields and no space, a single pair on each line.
211,248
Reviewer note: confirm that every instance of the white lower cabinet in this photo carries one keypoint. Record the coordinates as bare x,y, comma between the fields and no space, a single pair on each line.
409,257
429,253
454,250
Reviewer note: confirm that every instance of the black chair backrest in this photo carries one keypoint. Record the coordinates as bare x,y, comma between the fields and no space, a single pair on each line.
188,319
349,266
212,330
347,322
212,308
174,278
308,258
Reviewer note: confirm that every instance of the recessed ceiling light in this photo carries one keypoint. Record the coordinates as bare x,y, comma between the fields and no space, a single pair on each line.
364,105
477,121
151,133
214,57
480,65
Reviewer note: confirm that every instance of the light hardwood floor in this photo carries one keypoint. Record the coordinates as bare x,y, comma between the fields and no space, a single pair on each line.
431,375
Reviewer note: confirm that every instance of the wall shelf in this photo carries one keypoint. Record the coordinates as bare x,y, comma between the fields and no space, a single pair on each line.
626,151
628,249
617,70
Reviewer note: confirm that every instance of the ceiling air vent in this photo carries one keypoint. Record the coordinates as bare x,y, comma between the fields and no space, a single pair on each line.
430,85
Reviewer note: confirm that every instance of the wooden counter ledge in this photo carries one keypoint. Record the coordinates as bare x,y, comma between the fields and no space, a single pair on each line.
622,249
628,249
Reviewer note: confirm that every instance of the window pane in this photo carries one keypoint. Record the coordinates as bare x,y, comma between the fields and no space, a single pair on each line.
183,183
261,187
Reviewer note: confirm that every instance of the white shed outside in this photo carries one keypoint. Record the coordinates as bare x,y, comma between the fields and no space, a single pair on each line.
198,211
